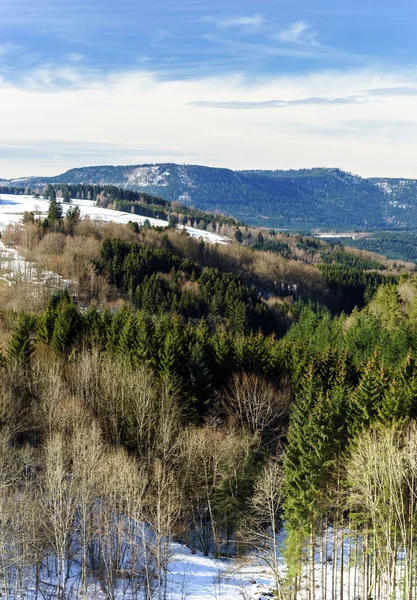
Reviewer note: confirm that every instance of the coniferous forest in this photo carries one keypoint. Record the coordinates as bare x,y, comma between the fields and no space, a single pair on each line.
253,398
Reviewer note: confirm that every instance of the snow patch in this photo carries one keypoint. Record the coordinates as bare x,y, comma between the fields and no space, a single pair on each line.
12,209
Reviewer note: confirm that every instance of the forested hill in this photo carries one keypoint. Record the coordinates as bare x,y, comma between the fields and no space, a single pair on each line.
307,198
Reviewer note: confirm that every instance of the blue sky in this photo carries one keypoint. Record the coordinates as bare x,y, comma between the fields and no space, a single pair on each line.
273,84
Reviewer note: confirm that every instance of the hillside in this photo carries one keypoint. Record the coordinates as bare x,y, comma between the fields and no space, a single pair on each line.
307,198
167,404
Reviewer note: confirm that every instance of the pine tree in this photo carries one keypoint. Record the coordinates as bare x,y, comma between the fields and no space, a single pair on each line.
66,327
172,350
366,400
46,324
92,322
72,217
238,236
224,356
399,403
20,347
115,327
144,337
127,347
199,378
314,437
55,210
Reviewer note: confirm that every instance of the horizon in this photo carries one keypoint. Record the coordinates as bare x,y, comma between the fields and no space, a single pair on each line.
146,164
289,83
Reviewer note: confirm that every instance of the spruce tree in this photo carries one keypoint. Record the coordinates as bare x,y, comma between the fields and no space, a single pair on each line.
314,437
399,403
366,400
20,347
224,356
46,324
127,347
172,350
55,210
66,327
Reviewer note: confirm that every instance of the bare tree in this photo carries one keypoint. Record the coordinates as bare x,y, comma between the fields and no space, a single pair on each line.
260,528
57,504
257,404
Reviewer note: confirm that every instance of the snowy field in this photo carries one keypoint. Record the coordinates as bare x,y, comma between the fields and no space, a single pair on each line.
12,209
201,578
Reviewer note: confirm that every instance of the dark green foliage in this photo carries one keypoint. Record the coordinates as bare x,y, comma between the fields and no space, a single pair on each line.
345,259
58,297
367,400
155,280
238,236
20,347
46,323
272,246
55,210
66,327
72,217
397,245
354,287
134,226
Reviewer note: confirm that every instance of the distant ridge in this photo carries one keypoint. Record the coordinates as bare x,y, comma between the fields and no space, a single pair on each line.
298,199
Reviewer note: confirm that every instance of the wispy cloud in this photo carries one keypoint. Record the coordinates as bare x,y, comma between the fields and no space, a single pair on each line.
299,33
394,91
325,117
239,105
247,22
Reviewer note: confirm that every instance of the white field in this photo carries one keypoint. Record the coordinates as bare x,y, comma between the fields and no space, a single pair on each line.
12,209
201,578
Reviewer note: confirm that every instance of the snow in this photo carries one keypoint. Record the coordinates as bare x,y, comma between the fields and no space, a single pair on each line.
145,176
203,578
335,235
13,267
12,208
190,575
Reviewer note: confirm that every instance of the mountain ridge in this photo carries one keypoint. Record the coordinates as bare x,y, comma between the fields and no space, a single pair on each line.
305,198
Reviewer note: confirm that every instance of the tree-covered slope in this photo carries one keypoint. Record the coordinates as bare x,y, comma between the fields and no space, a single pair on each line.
307,198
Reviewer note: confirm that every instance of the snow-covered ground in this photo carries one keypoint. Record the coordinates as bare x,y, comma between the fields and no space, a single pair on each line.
201,578
190,576
12,209
13,267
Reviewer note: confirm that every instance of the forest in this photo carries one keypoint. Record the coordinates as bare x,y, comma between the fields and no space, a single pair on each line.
397,245
240,399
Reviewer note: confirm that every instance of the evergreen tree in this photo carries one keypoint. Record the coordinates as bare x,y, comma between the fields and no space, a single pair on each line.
224,356
238,236
172,350
128,342
46,324
199,378
314,437
72,217
399,403
67,326
20,347
55,209
366,400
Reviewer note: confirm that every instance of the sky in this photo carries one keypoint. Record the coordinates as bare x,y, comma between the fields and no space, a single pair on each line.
270,84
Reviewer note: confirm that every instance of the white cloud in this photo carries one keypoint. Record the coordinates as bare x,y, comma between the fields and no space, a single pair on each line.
299,33
135,118
250,22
